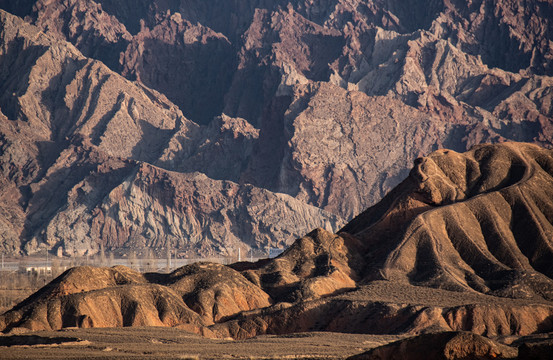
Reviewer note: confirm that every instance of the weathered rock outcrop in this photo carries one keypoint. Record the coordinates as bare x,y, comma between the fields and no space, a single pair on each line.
84,23
189,63
154,208
478,220
333,140
419,82
111,119
76,141
221,150
89,297
336,98
461,245
441,346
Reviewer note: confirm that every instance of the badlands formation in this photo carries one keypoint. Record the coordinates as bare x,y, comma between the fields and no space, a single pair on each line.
413,136
183,124
458,253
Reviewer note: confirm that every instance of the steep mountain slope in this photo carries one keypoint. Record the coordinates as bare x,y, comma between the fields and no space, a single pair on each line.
479,220
422,79
463,244
328,101
154,208
189,63
76,138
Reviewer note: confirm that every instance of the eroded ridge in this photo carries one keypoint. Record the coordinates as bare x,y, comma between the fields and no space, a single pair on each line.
462,244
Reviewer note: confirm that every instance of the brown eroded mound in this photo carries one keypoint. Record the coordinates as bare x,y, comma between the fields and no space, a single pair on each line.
87,278
100,297
461,245
475,221
447,346
316,265
118,296
215,291
125,305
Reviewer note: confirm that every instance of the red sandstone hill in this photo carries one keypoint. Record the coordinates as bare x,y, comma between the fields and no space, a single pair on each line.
328,101
461,245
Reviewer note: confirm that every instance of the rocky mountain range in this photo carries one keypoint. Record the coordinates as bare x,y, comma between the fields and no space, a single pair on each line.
210,126
458,255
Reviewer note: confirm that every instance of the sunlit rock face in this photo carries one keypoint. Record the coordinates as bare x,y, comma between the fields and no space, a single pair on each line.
328,102
461,245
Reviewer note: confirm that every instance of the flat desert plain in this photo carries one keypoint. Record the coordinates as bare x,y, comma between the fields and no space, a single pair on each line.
171,343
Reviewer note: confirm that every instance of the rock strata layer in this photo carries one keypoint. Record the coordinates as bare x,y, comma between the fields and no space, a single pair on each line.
401,267
79,143
329,101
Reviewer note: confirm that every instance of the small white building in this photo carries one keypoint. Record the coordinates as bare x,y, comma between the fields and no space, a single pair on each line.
40,270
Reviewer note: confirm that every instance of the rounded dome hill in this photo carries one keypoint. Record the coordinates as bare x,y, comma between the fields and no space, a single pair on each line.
461,245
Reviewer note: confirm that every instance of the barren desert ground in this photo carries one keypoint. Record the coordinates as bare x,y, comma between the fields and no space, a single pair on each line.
170,343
